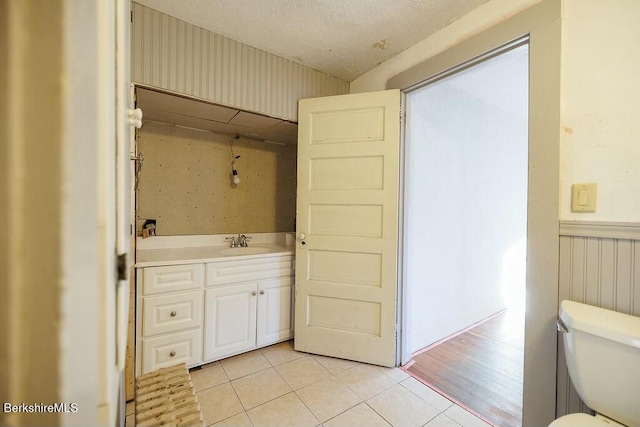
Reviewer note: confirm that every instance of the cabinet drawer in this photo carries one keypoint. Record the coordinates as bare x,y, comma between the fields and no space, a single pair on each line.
171,313
248,270
168,350
172,278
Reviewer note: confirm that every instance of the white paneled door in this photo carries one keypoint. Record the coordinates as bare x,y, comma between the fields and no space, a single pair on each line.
347,225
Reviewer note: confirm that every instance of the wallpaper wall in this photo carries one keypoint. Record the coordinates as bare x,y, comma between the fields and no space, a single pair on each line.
186,183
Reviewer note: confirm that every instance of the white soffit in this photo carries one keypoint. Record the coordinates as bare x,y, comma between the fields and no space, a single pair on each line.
343,38
177,110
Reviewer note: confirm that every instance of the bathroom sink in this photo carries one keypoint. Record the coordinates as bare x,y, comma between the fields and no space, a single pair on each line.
250,250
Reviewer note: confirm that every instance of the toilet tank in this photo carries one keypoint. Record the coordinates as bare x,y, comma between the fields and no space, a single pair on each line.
602,349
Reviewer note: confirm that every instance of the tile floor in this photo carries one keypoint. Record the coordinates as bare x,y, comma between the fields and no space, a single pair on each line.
278,386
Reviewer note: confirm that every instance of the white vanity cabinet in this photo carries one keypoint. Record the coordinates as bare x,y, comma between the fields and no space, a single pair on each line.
204,311
169,320
248,305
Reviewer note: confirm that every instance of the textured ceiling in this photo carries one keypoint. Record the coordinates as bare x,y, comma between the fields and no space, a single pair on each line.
343,38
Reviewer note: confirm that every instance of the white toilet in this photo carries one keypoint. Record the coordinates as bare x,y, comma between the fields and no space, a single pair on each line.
602,349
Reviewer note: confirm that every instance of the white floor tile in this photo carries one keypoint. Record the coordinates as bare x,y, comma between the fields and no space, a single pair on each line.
395,374
328,398
218,403
281,353
442,421
285,411
464,417
400,407
261,387
358,416
334,365
365,380
277,386
427,394
207,377
240,420
302,372
244,364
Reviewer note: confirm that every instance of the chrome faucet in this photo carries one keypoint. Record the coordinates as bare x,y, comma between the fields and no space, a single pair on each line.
234,244
242,240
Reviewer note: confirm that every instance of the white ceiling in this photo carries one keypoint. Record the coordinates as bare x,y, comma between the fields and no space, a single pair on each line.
343,38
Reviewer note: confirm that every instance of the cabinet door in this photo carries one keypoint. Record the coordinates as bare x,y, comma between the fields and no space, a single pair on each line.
230,320
274,310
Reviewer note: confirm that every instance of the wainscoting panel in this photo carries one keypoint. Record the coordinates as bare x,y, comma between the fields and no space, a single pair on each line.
600,266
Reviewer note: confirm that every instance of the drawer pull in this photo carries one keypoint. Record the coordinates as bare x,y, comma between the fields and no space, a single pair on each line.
262,292
254,293
173,314
172,354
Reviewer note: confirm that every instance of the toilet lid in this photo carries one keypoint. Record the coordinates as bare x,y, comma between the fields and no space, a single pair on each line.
579,420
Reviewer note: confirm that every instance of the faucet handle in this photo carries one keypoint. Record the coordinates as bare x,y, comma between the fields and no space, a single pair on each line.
233,241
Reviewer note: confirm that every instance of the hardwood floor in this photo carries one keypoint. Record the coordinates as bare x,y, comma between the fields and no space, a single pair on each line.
481,368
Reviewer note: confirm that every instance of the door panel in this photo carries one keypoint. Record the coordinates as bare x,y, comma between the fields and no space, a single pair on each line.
346,173
349,268
347,220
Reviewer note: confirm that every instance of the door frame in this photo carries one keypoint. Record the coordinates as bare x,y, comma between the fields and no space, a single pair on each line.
542,25
403,350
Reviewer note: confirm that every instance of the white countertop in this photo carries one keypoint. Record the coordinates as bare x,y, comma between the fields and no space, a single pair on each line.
172,250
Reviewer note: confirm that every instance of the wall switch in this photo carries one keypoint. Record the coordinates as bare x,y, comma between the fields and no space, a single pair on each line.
583,197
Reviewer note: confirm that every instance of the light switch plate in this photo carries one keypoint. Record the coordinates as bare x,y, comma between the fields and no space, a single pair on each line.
584,197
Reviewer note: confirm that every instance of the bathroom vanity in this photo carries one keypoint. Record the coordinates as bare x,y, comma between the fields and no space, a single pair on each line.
198,300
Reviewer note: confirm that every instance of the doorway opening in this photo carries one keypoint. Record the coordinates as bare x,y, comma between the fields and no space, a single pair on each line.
465,233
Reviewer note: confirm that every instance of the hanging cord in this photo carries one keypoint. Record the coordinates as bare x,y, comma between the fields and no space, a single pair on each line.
234,172
233,156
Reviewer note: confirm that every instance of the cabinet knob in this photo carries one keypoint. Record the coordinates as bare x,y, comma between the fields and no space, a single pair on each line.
173,314
262,292
254,293
172,354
